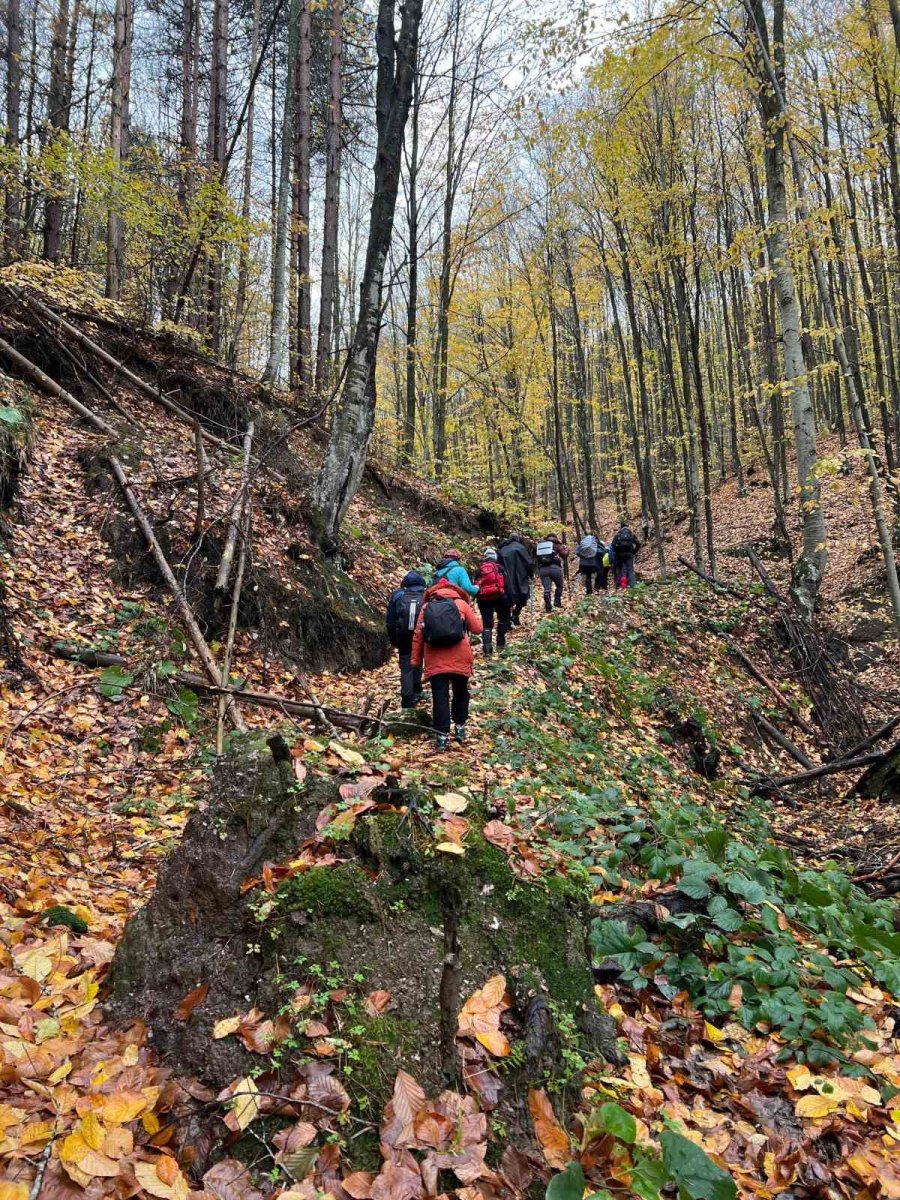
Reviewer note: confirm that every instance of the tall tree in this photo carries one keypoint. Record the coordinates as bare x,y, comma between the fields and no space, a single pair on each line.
120,93
351,429
12,209
303,159
333,138
57,123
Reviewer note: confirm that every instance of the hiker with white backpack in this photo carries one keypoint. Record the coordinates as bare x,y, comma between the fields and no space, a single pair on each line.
590,552
549,555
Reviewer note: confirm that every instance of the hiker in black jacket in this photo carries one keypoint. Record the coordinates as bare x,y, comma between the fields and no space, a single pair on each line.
623,548
403,611
518,568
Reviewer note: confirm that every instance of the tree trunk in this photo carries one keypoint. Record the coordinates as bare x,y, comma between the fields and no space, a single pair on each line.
809,568
57,124
118,140
351,430
275,364
332,199
303,153
218,149
240,300
12,208
412,296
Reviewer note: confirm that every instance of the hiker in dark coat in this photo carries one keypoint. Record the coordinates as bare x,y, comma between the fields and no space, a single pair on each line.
492,600
403,612
518,567
623,548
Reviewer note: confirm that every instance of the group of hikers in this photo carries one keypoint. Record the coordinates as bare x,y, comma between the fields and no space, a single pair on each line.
430,625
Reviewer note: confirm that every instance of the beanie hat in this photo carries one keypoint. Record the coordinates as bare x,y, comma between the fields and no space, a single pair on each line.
490,554
413,579
453,554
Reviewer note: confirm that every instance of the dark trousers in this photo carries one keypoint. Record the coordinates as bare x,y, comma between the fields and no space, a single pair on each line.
444,708
552,577
500,607
588,571
516,610
625,570
410,679
602,577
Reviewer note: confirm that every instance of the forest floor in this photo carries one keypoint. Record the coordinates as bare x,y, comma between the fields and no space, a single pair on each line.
619,705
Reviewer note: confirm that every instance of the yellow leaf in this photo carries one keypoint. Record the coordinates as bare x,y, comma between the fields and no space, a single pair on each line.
816,1107
246,1103
351,757
122,1107
713,1034
150,1122
799,1077
92,1131
13,1191
226,1026
73,1148
35,963
450,848
452,802
494,1042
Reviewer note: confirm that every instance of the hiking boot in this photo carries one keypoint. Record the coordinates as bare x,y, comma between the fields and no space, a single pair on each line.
548,606
487,642
442,741
460,733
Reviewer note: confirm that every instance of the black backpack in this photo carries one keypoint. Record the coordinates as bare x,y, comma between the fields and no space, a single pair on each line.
624,542
407,615
444,624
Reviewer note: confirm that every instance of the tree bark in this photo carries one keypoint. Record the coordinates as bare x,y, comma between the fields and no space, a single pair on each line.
303,155
275,363
351,429
118,139
240,301
333,132
57,124
12,207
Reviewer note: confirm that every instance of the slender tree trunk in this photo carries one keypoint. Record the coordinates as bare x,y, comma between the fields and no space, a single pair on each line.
118,139
809,567
303,153
275,364
57,124
218,149
12,198
240,300
332,199
351,430
412,296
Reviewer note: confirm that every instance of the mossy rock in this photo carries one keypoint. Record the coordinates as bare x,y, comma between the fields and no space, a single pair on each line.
395,916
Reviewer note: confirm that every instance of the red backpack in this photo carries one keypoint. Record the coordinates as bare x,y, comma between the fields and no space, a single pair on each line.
490,581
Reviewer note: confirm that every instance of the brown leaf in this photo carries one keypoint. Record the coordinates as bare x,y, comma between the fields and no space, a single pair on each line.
377,1002
398,1181
190,1002
516,1169
230,1180
295,1137
551,1137
398,1124
359,1185
499,835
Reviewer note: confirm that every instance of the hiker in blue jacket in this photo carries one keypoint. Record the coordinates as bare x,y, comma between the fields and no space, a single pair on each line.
403,611
451,569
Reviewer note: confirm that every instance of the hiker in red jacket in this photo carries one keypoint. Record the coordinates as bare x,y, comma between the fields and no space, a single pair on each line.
441,642
493,600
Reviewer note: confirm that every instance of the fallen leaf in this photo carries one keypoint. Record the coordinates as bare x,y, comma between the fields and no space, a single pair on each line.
377,1002
450,848
452,802
816,1107
551,1137
190,1002
225,1027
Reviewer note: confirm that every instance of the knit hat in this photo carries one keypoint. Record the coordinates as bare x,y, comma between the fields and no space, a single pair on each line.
412,579
490,554
453,554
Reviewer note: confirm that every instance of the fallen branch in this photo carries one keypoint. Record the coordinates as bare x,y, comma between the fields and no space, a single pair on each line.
883,776
713,583
202,468
833,768
767,683
879,871
778,737
881,732
764,575
355,722
35,375
233,615
236,515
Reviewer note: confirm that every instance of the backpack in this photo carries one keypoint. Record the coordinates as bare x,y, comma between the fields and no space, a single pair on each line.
490,581
624,542
587,547
545,554
407,613
443,623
